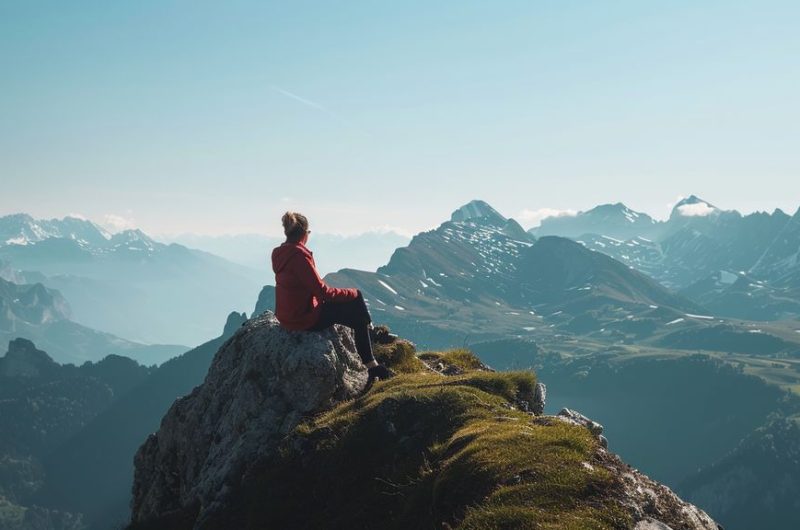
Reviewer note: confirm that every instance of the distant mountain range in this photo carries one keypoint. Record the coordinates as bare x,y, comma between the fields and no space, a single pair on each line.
366,251
480,276
127,283
739,266
37,313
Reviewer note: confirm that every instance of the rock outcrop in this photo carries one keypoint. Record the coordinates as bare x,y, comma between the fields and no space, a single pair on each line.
448,443
23,359
262,381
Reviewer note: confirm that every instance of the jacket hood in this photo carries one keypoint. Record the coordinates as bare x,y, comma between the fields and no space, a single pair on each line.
285,252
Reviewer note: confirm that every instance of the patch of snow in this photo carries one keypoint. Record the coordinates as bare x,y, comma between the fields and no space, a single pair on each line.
754,331
380,301
727,278
677,320
21,240
653,306
423,283
701,317
611,239
400,308
531,328
387,286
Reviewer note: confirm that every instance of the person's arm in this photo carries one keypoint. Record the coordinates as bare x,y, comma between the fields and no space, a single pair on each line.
308,275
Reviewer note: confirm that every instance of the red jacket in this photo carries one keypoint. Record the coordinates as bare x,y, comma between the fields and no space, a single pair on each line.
299,291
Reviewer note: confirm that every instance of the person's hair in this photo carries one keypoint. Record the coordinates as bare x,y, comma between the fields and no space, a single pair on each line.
295,225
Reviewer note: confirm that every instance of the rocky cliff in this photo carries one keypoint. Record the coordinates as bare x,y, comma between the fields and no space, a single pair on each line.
281,434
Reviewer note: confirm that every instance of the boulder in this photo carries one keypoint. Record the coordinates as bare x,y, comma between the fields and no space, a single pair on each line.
261,383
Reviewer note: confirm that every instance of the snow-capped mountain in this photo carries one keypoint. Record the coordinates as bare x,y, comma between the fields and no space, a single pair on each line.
481,275
127,283
700,242
22,229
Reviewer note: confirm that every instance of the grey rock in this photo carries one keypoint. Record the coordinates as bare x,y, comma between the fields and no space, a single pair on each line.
577,418
261,383
539,399
651,524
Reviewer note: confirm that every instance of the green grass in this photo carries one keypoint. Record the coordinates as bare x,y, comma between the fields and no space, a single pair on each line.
423,450
459,357
400,356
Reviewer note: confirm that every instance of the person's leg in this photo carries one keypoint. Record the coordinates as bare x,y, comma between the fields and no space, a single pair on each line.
353,314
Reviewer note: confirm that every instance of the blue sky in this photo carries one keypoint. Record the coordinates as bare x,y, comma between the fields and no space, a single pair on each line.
215,117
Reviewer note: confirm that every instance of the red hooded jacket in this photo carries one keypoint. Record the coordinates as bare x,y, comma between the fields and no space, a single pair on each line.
299,291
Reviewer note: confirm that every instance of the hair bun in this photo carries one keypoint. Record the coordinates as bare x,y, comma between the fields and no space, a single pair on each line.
289,221
295,225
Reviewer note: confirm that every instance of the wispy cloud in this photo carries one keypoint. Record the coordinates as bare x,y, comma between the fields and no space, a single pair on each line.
304,101
534,217
311,104
117,223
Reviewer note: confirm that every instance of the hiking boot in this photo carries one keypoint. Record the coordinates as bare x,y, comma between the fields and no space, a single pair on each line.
380,372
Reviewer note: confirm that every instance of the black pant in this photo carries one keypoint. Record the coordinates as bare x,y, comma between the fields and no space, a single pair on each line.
353,314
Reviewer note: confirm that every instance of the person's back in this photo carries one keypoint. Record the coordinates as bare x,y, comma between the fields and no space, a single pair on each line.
297,305
303,301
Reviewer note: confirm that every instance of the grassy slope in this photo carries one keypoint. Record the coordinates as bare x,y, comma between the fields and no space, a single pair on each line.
424,450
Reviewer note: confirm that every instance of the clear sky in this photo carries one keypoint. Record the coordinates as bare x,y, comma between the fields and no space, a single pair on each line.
215,117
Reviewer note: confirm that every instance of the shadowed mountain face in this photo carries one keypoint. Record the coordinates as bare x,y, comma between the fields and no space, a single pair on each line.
127,283
565,275
757,485
43,405
92,472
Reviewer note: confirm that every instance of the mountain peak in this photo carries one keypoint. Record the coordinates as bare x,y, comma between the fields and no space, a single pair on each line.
25,360
693,206
476,209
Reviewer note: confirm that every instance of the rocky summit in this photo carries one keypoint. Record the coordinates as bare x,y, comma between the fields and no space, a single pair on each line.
260,384
285,433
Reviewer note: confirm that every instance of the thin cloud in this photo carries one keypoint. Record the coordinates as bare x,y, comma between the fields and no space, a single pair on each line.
313,105
302,100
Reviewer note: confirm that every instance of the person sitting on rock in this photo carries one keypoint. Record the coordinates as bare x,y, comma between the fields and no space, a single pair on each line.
304,302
